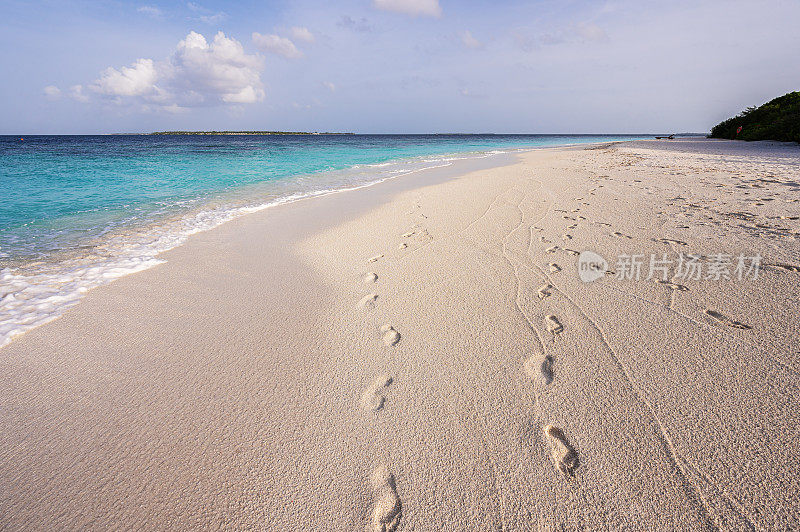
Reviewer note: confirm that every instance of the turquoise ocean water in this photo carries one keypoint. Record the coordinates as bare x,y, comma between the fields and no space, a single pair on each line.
80,211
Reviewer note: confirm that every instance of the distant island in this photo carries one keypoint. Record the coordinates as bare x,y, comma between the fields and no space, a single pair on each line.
244,133
778,119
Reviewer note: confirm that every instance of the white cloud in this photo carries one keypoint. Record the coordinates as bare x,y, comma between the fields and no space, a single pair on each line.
302,34
151,11
197,73
217,71
246,95
429,8
274,44
52,92
136,80
329,85
469,41
77,94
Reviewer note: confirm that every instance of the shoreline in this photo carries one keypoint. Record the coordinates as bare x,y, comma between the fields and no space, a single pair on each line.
138,249
250,379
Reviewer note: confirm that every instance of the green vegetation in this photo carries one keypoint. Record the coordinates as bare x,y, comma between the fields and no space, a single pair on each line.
775,120
242,133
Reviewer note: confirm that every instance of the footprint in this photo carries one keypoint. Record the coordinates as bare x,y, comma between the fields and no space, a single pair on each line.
566,236
544,291
540,367
369,277
674,286
572,252
390,335
554,267
672,241
725,320
621,235
388,508
787,267
374,396
551,249
563,455
368,301
402,246
410,233
544,240
553,325
376,258
424,236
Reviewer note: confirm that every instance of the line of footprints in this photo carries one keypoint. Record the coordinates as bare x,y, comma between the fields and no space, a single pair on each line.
716,316
387,510
387,507
562,453
564,456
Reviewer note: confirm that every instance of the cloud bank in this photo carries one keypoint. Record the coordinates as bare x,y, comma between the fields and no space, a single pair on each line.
197,73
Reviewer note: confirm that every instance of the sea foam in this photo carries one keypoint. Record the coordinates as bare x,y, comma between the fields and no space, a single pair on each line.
34,294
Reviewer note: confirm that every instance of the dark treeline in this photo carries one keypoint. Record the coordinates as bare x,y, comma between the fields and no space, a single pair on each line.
778,119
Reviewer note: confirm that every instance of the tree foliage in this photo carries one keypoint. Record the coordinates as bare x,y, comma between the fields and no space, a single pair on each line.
778,119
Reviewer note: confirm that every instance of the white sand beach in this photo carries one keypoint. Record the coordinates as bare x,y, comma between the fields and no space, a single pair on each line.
422,355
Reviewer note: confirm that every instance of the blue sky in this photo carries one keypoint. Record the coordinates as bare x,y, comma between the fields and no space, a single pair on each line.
394,66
